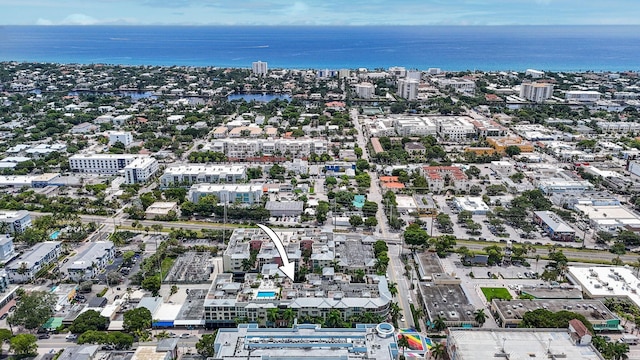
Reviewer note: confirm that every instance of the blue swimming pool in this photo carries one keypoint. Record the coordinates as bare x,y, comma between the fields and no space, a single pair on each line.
55,235
266,294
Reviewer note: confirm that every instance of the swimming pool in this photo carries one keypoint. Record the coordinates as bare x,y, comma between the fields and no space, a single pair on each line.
266,294
54,235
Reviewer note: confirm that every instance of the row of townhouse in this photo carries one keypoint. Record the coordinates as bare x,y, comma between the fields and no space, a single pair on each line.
241,149
189,174
449,128
441,177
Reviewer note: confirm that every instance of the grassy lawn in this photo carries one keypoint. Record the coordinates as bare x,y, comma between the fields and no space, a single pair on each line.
496,293
167,263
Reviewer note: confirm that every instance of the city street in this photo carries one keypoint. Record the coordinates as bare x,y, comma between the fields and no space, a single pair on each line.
395,270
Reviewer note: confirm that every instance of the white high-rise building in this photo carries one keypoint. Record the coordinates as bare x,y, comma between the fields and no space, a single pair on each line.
365,90
408,88
259,67
536,92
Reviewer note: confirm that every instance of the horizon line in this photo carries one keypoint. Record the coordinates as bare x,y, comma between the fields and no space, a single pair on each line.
321,25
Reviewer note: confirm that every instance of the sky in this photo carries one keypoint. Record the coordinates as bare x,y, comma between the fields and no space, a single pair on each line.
319,12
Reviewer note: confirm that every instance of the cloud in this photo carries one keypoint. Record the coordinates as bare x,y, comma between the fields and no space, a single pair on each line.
79,19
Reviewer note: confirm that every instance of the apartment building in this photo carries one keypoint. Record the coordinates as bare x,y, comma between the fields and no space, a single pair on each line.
464,86
251,298
582,96
124,137
414,126
536,92
7,250
488,127
227,193
14,221
91,262
242,149
259,68
441,177
455,128
140,170
618,127
189,174
408,89
365,90
27,265
103,164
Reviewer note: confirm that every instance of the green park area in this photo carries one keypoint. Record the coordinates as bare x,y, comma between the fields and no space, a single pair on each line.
496,293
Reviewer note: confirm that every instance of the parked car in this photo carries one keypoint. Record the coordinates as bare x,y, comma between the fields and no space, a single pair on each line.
4,316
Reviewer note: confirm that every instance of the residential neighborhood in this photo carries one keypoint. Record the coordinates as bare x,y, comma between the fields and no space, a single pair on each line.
430,214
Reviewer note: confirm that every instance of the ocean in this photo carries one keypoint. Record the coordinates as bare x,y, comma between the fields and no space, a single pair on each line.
456,48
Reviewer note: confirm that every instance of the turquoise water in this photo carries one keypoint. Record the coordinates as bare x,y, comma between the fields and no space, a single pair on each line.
55,235
266,294
557,48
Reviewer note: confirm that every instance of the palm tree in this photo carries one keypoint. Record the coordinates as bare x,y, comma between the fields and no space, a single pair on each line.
439,324
403,342
368,318
437,351
334,319
418,314
394,310
393,288
480,317
289,315
272,315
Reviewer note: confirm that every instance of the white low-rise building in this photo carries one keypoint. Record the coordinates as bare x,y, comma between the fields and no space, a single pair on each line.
473,204
104,164
502,167
455,128
14,221
91,262
227,193
25,267
124,137
140,170
582,96
189,174
414,126
600,282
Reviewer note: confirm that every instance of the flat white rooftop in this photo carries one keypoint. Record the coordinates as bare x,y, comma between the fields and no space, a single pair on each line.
518,344
607,281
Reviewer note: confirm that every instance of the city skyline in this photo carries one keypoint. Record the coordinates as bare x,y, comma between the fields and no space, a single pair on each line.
330,12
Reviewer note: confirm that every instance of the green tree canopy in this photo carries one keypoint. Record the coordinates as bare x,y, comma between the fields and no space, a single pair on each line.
137,319
23,344
204,346
89,320
33,310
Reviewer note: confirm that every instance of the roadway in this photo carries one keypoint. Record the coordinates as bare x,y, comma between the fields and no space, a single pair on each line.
395,269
